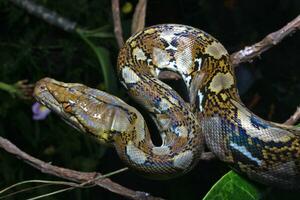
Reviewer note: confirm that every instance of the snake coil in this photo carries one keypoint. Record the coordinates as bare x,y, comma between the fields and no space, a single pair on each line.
266,152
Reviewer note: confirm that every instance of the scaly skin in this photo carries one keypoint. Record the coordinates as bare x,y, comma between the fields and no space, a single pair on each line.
111,121
266,152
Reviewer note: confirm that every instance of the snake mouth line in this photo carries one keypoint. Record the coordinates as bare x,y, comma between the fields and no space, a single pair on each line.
44,96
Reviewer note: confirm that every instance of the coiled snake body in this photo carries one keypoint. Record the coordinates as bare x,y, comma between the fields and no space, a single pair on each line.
264,151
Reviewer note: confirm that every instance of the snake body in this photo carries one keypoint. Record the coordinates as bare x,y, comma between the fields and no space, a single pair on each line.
264,151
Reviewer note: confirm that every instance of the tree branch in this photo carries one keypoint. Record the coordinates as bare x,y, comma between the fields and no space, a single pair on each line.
138,20
49,16
250,52
294,118
117,22
73,175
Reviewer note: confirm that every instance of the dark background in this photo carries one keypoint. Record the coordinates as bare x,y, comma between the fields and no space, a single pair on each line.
32,49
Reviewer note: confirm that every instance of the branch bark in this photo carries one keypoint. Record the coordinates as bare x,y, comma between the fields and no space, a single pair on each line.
250,52
294,118
73,175
117,22
47,15
138,20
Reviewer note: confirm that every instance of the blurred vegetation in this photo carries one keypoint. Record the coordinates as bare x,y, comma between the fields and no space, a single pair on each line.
32,49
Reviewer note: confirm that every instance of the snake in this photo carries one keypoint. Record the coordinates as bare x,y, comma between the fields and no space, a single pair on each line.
213,114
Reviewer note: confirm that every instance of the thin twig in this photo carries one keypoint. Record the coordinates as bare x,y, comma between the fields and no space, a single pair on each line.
294,118
250,52
72,174
24,190
117,22
138,20
72,185
47,15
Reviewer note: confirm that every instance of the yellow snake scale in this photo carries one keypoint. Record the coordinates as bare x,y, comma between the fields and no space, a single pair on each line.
264,151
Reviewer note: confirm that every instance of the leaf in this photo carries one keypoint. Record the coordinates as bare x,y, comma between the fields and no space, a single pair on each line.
101,32
103,57
232,186
10,89
102,35
107,69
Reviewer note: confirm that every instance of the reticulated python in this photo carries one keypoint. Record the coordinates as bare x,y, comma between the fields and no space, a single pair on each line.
266,152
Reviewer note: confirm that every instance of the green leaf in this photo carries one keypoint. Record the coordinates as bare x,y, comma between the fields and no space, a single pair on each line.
102,32
10,89
232,186
103,57
101,35
107,69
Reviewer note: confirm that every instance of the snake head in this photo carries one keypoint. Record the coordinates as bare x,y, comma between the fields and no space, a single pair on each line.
89,110
61,98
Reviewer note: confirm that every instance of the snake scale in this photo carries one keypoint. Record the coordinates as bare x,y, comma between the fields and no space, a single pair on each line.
264,151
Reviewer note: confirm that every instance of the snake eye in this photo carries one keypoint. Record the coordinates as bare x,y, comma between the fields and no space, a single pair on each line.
67,107
72,90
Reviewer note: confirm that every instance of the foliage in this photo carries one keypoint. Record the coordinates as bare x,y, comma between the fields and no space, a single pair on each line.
31,49
102,56
232,186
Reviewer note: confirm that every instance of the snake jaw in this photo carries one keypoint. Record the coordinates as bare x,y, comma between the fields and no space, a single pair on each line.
88,110
43,94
